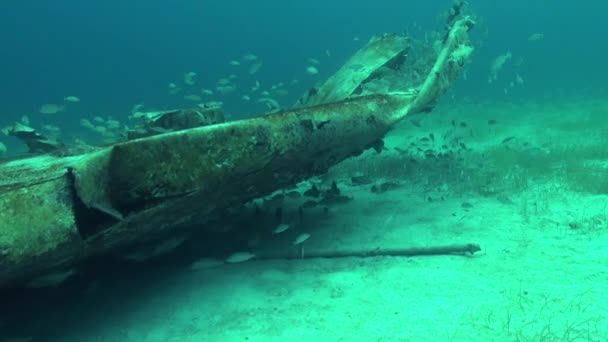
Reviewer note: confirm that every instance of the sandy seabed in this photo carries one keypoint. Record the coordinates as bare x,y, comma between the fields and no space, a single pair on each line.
542,274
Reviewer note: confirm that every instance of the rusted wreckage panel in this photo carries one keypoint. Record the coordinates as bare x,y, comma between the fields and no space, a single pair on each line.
54,210
387,50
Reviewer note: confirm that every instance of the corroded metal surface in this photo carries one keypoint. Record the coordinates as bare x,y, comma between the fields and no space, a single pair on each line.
54,210
380,51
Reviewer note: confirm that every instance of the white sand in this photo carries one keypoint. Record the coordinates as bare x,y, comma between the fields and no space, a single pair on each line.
542,274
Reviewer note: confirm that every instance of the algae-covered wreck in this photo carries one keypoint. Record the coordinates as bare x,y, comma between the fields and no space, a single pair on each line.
55,210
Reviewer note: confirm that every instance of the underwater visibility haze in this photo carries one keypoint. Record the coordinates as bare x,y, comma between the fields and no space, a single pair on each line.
303,171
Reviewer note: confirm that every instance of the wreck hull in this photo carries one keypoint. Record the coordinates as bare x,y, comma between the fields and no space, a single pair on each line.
272,149
57,210
148,188
225,165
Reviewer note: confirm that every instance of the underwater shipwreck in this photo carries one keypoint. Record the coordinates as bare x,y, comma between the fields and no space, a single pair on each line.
62,206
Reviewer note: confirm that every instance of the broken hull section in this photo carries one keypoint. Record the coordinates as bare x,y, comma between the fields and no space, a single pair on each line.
275,149
57,210
145,188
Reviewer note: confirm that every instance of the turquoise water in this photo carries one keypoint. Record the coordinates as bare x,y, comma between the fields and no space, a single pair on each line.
114,54
529,186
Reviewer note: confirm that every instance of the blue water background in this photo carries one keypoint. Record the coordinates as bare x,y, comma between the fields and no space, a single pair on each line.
114,54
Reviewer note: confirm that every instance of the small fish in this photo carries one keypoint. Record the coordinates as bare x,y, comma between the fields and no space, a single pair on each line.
224,81
504,199
51,108
506,140
281,228
234,63
256,86
281,92
313,61
240,257
246,98
536,36
497,65
311,70
173,89
113,124
272,104
225,89
301,238
189,78
137,108
205,263
192,97
86,123
207,91
250,57
72,99
255,67
211,104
